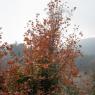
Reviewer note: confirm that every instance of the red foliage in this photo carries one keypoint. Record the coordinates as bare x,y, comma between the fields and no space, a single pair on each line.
10,62
46,57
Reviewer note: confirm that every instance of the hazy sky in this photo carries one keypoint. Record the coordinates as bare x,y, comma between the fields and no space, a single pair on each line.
14,15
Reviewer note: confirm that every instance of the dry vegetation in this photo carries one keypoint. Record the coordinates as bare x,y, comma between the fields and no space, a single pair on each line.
48,63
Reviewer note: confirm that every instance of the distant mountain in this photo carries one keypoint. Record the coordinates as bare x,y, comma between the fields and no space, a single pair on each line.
18,49
87,62
88,46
